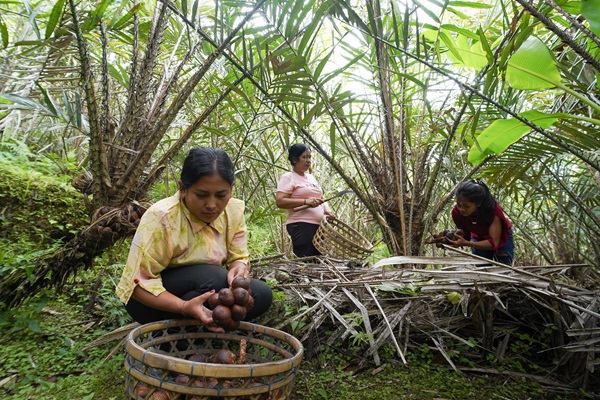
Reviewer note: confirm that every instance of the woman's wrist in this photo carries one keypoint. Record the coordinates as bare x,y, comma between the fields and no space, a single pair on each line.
304,201
181,309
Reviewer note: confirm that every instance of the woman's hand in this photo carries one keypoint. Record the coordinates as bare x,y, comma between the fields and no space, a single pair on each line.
237,268
314,202
459,241
194,308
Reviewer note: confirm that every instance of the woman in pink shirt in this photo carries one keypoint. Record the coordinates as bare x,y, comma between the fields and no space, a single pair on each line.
297,188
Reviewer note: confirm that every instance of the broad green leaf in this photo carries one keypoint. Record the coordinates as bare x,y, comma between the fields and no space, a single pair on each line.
184,7
310,115
68,108
503,133
308,36
79,120
430,34
472,56
55,16
532,67
590,9
34,326
194,10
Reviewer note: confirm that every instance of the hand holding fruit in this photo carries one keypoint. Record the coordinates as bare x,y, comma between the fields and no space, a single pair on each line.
230,305
194,308
451,237
237,269
457,239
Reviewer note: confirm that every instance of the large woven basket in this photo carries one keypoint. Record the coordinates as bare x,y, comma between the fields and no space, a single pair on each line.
158,367
338,240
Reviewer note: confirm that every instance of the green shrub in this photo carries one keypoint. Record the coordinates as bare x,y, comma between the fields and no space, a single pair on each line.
38,208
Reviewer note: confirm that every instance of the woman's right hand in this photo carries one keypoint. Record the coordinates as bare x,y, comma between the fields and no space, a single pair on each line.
314,202
194,308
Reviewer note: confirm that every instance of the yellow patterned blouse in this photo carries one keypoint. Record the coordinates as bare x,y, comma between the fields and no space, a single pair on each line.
170,236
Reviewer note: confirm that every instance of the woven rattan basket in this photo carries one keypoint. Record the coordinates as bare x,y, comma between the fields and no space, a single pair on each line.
157,362
336,239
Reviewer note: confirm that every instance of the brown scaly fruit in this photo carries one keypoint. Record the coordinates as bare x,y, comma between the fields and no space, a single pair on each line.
213,300
226,297
240,296
240,282
238,312
200,357
160,395
142,390
224,356
222,316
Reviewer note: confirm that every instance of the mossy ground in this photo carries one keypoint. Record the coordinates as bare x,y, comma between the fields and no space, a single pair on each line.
43,351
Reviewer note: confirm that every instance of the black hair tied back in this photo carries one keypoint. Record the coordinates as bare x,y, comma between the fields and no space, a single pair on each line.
206,161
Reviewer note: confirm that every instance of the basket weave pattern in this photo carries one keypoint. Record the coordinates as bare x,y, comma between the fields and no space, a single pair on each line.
338,240
156,362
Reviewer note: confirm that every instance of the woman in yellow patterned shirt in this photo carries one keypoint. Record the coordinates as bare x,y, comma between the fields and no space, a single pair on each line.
190,245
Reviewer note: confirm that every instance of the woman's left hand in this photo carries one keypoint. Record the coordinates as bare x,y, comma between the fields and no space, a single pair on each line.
459,242
238,269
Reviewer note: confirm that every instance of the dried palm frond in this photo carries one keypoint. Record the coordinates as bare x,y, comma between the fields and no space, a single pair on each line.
443,301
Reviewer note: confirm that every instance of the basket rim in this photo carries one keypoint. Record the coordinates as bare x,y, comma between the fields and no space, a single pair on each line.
194,368
207,391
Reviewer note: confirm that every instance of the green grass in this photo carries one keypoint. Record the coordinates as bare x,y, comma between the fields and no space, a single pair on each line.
418,380
42,350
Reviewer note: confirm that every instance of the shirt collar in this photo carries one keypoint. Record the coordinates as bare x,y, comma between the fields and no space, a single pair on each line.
197,224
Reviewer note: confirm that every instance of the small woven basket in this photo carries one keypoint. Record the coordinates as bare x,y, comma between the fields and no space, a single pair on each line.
336,239
161,362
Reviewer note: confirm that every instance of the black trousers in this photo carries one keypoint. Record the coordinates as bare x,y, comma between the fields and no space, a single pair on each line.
191,281
302,234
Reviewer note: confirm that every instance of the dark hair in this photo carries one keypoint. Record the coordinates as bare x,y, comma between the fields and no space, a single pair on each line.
295,151
206,161
477,192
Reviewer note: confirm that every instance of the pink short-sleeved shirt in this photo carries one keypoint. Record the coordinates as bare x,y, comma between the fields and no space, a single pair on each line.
302,187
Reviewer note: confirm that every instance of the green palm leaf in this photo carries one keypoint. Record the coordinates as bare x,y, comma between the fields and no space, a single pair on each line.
502,133
532,67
